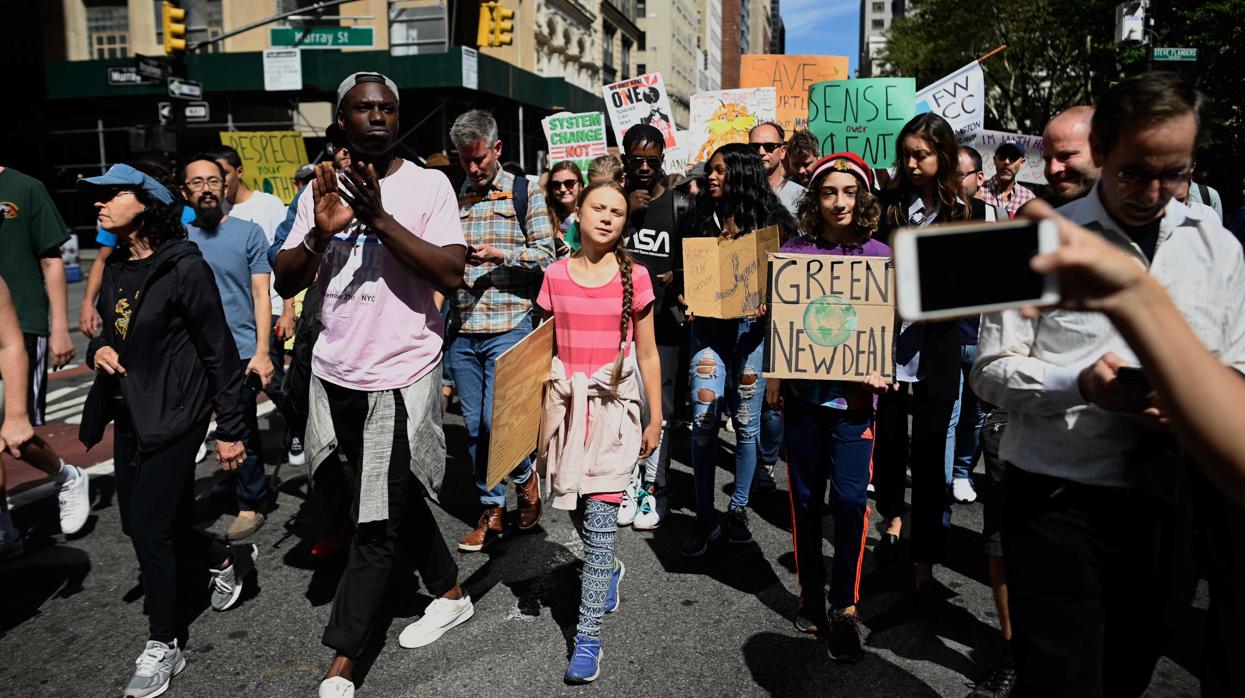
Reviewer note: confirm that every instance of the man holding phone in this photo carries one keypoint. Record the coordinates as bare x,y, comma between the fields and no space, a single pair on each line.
237,252
1097,522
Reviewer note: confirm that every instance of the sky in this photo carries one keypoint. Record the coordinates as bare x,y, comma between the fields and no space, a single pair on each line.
823,27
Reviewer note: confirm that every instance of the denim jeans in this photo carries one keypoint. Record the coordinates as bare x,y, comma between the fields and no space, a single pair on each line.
726,360
770,446
967,418
471,358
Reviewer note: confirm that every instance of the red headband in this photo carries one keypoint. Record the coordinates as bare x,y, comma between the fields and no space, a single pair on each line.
845,162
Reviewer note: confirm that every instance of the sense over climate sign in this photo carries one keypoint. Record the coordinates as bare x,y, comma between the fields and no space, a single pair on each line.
862,116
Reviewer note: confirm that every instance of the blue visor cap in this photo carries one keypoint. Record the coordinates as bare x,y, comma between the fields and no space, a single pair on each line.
126,177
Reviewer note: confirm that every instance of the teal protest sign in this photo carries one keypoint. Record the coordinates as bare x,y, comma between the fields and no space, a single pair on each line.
861,116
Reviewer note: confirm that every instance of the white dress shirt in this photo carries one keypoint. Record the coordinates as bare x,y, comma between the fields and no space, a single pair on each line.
1030,367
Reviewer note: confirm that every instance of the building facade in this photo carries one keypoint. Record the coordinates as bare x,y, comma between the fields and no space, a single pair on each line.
759,28
670,37
734,40
709,45
876,17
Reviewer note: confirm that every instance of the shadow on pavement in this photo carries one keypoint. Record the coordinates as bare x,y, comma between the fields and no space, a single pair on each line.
789,666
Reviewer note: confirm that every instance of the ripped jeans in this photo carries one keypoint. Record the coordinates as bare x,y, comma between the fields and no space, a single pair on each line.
726,360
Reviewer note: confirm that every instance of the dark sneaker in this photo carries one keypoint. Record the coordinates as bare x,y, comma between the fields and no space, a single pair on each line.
811,618
763,482
844,643
999,683
737,526
704,531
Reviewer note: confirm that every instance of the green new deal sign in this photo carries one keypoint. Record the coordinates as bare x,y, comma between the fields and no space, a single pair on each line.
1175,54
323,37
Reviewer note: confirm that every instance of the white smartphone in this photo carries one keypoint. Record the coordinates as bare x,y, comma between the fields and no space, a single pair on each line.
951,271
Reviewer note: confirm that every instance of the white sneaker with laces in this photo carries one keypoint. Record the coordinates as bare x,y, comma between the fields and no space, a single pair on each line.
74,497
227,582
336,687
154,669
627,510
962,490
440,616
652,510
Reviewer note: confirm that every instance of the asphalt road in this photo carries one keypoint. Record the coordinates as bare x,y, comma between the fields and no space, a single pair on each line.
71,619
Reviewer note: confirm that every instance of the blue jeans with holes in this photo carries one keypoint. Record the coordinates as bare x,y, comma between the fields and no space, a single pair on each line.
726,360
471,358
967,419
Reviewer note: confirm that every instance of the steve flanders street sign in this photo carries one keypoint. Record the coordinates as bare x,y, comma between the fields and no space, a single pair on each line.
1175,54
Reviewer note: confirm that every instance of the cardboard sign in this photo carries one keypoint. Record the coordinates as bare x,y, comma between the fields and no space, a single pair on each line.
791,76
861,116
269,159
725,116
1034,171
960,98
640,100
725,278
832,317
518,395
575,137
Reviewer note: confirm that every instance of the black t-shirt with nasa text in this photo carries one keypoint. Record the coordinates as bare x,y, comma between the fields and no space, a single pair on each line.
653,239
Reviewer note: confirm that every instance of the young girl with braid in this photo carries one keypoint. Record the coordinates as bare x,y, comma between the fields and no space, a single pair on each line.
591,434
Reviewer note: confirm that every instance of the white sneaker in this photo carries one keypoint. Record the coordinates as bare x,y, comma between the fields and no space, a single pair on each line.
154,669
652,510
962,490
201,453
336,687
628,508
74,497
227,583
441,615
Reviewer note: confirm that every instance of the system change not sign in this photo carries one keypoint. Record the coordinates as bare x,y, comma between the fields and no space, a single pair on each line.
833,317
575,137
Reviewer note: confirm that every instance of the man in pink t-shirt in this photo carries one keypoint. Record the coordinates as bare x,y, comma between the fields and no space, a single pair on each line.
381,237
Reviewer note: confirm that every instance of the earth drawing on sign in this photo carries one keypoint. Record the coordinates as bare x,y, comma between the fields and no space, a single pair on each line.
830,321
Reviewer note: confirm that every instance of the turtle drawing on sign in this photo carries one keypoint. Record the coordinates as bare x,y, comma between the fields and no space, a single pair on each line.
730,124
830,321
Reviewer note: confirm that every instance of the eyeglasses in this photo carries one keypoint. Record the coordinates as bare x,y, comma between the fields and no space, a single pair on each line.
1168,180
767,147
198,183
970,173
636,161
557,184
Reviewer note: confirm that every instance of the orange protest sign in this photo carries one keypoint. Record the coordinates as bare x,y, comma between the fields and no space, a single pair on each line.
791,76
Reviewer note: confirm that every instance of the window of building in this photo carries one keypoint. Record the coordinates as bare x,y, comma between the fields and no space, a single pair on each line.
610,33
641,7
879,24
641,69
879,7
626,55
642,43
108,30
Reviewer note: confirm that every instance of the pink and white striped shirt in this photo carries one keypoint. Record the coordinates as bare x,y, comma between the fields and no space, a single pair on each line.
586,318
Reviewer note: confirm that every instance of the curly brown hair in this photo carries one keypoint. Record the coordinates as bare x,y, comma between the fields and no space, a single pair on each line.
866,214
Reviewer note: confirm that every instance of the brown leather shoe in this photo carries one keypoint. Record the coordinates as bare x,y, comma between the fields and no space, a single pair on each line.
529,502
487,530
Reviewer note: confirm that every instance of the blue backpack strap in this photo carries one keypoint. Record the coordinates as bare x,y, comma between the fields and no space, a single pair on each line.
520,201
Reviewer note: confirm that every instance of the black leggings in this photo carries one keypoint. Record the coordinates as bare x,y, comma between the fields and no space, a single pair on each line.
155,494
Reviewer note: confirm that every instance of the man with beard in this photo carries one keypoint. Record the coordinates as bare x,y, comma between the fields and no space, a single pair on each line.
654,237
1097,519
382,237
803,151
237,252
1070,169
1002,189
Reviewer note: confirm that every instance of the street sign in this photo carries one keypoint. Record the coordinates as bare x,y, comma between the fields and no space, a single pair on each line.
152,68
195,112
471,68
1175,54
182,88
323,37
127,76
283,69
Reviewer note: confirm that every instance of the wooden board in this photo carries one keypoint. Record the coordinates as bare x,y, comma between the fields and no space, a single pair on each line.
725,278
519,377
832,317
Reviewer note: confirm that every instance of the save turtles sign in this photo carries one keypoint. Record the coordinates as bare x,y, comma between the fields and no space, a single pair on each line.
833,317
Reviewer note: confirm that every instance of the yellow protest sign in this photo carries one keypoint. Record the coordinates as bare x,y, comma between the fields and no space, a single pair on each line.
269,159
832,317
792,76
725,277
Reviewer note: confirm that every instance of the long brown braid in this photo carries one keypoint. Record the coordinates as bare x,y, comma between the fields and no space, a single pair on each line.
625,265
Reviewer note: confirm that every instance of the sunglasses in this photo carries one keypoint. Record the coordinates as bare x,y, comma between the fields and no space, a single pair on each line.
637,160
767,147
557,184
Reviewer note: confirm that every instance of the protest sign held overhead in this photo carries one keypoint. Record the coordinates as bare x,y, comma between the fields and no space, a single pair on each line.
269,159
640,100
861,116
725,277
518,396
987,141
575,137
832,317
960,98
790,76
725,116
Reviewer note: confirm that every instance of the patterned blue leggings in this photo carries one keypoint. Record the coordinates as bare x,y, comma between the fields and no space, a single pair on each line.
599,531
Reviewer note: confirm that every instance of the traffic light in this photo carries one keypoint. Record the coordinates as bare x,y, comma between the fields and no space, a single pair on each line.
502,26
495,28
174,29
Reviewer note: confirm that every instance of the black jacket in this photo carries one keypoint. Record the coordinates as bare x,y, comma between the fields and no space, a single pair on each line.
940,349
180,359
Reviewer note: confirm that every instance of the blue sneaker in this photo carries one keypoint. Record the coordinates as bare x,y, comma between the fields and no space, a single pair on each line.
585,665
612,598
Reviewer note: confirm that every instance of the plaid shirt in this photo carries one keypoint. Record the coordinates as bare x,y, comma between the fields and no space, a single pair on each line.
495,297
990,191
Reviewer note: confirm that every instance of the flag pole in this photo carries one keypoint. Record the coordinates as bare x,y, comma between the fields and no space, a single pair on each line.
993,53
